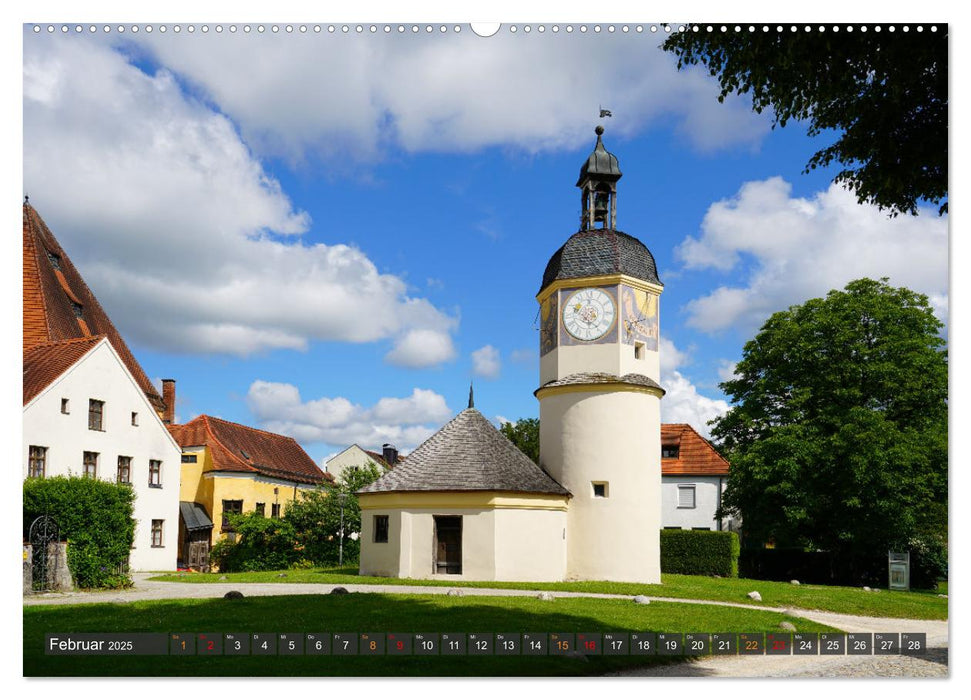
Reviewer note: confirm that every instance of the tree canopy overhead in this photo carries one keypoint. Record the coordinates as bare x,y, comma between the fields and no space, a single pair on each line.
837,435
885,93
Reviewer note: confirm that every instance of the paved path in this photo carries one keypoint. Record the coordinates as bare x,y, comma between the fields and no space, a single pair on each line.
933,664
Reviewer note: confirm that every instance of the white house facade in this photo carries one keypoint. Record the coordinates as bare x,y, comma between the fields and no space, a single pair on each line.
357,456
93,419
693,479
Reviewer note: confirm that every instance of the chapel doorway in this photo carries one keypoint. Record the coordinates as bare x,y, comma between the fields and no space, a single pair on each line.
448,544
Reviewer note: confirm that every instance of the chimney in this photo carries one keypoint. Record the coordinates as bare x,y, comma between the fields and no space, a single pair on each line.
168,396
390,454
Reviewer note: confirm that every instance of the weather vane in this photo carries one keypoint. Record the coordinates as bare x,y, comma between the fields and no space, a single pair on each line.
605,113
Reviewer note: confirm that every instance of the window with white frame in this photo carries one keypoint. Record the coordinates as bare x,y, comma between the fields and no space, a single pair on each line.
686,495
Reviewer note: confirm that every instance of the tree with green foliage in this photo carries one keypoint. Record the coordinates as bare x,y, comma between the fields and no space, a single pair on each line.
837,434
95,517
886,95
524,434
316,516
261,544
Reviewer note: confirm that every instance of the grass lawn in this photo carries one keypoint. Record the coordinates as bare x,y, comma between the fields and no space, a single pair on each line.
368,612
915,605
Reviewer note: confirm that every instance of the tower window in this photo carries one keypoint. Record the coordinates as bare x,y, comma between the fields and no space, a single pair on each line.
638,351
600,489
65,406
134,417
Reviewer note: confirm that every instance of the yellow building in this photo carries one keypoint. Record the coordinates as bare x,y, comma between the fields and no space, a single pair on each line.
232,468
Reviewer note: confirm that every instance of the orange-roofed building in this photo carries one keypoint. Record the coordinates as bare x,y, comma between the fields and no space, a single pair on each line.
232,468
693,479
88,407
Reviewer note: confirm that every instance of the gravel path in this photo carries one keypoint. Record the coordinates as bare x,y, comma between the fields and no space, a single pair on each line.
933,664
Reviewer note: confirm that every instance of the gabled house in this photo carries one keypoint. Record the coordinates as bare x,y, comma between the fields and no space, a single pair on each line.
357,456
232,468
693,479
88,407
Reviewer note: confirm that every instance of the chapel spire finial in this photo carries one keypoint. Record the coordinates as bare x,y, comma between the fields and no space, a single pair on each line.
471,401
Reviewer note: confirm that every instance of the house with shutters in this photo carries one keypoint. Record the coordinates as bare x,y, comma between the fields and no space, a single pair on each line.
88,407
693,478
231,468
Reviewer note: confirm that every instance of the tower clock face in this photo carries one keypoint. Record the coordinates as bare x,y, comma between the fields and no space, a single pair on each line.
588,314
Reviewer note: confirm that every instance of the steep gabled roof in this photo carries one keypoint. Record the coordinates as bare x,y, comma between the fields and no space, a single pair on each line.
239,448
467,454
696,456
59,306
46,362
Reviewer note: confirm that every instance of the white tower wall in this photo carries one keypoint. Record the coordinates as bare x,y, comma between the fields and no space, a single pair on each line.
611,437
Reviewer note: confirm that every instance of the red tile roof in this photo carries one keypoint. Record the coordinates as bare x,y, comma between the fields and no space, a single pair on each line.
239,448
52,297
46,362
696,456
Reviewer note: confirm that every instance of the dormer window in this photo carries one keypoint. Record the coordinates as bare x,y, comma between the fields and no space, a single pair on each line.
670,451
245,455
55,260
78,309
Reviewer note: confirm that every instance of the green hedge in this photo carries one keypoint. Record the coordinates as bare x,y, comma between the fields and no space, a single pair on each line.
94,517
699,552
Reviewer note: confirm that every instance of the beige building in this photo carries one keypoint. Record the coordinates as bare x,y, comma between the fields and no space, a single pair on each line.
357,456
468,504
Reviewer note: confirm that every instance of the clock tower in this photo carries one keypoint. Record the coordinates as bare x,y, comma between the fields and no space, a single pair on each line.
600,421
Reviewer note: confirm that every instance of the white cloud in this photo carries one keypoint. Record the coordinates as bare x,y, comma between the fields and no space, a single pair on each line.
802,248
189,244
500,420
726,370
449,92
405,422
682,403
485,362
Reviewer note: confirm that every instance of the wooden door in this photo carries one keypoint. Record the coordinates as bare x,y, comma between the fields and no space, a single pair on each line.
448,544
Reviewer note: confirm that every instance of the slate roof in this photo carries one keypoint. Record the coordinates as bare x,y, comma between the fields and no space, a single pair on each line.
59,306
239,448
601,378
467,454
194,516
696,456
601,252
46,362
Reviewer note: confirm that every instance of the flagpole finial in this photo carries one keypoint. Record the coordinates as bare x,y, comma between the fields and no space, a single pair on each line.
471,401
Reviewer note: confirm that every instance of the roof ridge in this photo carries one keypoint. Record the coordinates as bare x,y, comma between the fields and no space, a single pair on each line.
209,431
247,427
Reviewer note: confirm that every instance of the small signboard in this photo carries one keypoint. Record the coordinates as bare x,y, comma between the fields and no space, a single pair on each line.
899,571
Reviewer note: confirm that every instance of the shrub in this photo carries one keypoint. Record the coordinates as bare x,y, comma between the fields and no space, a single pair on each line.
262,544
928,562
94,517
699,552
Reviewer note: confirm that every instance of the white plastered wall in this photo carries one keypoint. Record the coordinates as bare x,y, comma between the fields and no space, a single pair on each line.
610,437
103,376
706,502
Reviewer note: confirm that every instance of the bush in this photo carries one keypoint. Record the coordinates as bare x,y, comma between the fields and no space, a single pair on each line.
94,517
262,544
699,552
928,562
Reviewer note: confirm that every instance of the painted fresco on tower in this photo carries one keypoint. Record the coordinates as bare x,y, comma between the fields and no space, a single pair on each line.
639,317
549,313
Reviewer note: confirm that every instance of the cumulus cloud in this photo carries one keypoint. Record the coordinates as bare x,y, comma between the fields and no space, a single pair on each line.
726,370
448,92
683,403
403,421
189,243
790,249
485,362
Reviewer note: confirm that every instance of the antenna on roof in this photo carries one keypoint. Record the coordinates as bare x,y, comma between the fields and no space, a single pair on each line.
471,402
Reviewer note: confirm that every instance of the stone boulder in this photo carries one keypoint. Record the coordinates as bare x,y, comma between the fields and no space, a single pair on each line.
233,595
339,590
642,600
755,595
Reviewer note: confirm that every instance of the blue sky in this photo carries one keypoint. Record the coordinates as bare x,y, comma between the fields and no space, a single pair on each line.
330,236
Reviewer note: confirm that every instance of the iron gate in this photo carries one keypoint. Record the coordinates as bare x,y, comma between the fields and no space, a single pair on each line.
43,537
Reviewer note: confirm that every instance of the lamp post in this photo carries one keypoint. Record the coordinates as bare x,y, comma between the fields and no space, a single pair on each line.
343,497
